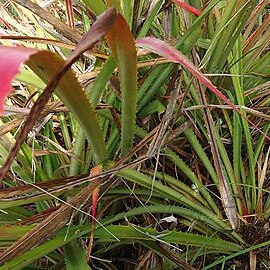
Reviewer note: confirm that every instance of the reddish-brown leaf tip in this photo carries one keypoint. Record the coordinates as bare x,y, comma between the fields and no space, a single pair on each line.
187,7
98,30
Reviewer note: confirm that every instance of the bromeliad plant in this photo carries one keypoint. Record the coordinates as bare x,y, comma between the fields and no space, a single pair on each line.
178,172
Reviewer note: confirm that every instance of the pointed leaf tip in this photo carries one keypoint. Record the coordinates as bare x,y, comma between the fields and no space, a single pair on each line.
98,30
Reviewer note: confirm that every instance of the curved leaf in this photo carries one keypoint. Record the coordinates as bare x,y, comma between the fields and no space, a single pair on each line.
164,49
101,26
135,233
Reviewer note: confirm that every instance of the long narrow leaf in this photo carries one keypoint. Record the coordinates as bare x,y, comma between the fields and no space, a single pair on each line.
124,50
164,49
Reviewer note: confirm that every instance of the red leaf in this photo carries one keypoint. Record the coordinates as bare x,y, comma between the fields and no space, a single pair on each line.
94,202
187,7
11,60
164,49
95,171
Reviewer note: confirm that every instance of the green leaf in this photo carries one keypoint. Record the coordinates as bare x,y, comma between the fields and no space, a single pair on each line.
135,233
75,256
144,180
73,96
96,6
124,51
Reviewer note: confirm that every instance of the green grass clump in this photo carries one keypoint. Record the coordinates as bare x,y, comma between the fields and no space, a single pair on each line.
179,173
